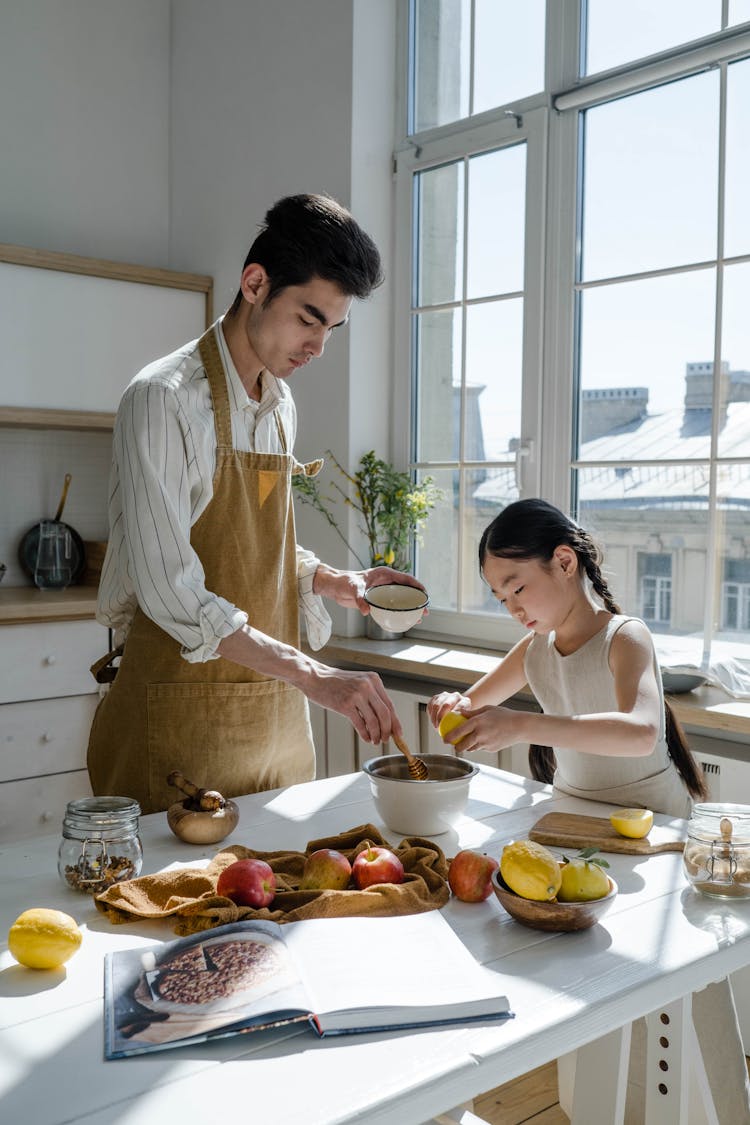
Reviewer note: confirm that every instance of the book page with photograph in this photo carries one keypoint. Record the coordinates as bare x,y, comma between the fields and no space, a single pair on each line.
215,982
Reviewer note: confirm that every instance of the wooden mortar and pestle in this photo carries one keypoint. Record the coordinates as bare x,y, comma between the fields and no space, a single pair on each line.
204,817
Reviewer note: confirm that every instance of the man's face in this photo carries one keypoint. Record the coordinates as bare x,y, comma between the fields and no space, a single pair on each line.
295,327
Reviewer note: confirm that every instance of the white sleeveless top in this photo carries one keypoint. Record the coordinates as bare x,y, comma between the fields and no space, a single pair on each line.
582,683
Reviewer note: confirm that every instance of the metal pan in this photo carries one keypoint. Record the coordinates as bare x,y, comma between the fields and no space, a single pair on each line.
29,546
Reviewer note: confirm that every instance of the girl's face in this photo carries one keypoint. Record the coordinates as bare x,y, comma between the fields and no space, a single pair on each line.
539,595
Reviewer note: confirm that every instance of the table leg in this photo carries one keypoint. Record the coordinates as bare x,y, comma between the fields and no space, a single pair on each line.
601,1079
677,1089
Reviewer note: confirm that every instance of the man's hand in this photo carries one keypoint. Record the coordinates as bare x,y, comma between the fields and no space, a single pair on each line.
360,696
347,587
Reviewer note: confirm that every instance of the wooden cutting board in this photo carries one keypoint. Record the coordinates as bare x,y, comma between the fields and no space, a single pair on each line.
576,831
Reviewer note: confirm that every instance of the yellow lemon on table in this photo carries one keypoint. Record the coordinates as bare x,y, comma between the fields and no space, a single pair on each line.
449,722
42,938
634,823
582,881
530,870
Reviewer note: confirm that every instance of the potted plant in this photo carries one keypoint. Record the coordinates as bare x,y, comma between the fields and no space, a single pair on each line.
393,507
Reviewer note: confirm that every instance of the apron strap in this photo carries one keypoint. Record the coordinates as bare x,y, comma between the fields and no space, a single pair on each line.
101,670
209,350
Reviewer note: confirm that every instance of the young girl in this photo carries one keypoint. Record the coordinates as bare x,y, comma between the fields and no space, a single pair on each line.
605,733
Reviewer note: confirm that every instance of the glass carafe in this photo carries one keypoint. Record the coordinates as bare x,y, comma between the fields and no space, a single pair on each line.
54,560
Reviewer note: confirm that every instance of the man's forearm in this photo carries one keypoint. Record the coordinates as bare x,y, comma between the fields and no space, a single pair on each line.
254,649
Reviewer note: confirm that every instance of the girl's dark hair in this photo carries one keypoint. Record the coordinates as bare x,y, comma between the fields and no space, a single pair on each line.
533,529
306,236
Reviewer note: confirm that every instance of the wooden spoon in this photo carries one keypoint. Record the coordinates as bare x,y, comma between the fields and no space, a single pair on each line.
417,768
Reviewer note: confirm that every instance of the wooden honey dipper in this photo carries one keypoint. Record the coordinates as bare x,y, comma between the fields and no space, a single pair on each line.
417,768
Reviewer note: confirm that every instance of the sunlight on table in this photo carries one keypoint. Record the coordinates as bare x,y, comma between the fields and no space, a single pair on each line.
300,802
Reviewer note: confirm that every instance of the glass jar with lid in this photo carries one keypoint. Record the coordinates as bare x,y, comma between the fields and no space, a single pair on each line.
100,843
717,850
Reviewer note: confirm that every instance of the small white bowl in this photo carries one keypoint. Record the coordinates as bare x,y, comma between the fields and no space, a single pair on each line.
420,808
395,607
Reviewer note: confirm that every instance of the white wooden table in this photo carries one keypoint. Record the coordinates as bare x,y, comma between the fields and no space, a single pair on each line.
659,942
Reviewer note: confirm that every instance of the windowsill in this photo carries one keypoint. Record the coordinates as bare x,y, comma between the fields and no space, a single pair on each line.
708,710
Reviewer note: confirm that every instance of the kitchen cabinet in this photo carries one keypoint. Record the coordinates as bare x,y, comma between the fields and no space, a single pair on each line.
103,321
47,701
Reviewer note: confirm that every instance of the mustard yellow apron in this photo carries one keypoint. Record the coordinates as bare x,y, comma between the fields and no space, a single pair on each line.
224,726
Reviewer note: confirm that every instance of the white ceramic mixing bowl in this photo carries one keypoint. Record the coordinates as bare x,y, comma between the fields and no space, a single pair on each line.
420,808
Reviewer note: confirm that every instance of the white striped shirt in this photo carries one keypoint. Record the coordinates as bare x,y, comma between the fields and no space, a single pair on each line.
164,457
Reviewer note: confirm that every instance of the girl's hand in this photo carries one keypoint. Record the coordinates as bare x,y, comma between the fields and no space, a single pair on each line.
489,728
444,702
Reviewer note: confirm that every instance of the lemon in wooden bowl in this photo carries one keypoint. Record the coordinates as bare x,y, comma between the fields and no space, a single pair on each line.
542,889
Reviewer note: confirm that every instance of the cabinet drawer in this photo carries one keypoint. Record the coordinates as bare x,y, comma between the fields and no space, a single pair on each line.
37,805
46,736
50,659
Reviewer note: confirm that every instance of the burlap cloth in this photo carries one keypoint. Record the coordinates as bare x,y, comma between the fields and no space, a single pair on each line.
189,895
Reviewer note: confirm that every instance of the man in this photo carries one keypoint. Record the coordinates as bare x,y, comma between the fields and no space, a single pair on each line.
203,578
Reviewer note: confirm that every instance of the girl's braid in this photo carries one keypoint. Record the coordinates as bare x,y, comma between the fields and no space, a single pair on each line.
590,556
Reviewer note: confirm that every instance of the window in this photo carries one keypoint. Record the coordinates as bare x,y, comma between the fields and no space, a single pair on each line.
655,581
735,595
574,262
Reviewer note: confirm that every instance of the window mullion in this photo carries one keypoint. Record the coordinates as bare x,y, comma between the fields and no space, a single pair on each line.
462,397
716,520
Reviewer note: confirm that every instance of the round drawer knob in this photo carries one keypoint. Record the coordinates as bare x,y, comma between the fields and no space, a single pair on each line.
51,659
47,737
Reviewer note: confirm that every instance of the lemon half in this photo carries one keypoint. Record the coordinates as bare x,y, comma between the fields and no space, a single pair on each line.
449,722
634,823
42,938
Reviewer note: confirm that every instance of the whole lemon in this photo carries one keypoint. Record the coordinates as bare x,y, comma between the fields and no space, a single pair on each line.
449,722
530,870
42,938
582,881
634,823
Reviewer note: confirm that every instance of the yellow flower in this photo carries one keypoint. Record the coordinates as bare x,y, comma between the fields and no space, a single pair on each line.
389,557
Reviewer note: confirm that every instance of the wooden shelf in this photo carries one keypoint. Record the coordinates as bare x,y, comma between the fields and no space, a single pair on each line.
35,418
23,605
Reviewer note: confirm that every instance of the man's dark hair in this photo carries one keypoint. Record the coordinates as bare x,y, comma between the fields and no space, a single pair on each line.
307,236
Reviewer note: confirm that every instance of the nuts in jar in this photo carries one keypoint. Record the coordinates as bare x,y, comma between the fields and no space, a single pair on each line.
100,843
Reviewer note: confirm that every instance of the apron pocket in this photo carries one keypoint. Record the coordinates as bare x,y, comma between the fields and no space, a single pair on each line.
237,738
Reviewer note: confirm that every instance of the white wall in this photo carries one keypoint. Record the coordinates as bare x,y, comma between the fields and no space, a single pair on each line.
160,131
84,127
84,137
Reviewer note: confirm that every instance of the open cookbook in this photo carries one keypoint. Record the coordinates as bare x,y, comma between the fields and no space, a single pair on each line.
337,975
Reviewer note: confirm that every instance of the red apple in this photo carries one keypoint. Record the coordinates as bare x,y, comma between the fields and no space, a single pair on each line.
248,882
470,875
377,865
326,870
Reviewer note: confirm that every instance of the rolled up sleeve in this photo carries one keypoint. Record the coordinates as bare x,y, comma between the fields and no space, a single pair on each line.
314,613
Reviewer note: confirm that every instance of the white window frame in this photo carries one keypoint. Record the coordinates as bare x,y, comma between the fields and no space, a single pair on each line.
552,121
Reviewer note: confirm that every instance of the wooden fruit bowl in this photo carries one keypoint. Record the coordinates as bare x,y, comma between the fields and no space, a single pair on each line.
555,917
